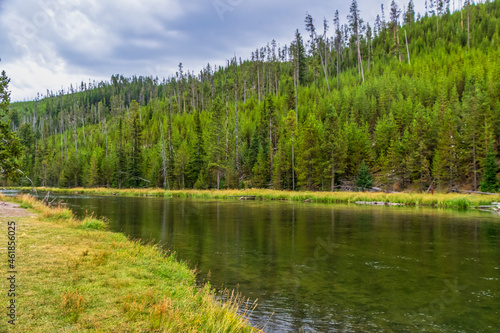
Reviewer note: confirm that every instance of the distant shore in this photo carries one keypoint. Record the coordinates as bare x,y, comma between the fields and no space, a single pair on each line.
439,200
68,274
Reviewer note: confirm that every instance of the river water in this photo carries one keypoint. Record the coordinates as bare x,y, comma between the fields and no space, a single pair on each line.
329,268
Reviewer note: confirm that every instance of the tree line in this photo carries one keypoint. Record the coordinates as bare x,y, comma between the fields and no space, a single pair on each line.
415,100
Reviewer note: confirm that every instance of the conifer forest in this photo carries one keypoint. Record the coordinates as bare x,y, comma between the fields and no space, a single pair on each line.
412,99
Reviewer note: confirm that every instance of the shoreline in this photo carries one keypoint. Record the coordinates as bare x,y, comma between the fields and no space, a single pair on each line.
437,200
75,275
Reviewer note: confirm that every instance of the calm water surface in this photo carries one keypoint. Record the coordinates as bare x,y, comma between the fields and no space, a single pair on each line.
330,268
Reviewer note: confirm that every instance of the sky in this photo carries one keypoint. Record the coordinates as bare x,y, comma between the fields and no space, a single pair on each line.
50,44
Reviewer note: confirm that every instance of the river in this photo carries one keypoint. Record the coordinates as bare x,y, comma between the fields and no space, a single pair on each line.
329,268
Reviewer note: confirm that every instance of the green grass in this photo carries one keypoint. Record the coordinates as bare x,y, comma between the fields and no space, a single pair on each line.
91,223
441,200
73,276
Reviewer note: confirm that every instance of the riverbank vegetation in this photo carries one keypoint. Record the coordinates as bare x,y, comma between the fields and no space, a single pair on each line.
442,200
75,276
415,97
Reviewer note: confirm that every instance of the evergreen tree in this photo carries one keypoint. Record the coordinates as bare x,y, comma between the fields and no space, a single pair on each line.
338,43
395,12
120,165
93,173
196,163
490,182
298,53
308,154
334,148
260,170
215,149
409,16
9,143
135,161
364,180
356,23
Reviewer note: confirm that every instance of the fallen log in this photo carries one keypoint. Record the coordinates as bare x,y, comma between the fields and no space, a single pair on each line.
248,197
378,203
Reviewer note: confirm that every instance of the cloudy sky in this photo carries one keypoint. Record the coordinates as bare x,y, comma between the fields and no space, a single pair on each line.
50,44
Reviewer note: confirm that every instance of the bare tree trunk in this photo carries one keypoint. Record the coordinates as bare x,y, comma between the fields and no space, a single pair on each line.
76,151
293,165
326,57
359,58
271,145
106,134
276,79
227,114
244,88
338,65
164,157
218,161
324,71
474,160
258,77
62,134
212,81
263,78
462,17
333,173
407,49
399,49
66,142
468,24
236,112
296,72
83,124
369,54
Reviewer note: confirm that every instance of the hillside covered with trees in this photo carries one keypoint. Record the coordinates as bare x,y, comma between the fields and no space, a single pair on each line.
413,98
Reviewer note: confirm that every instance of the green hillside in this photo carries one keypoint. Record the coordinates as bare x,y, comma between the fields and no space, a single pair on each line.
422,107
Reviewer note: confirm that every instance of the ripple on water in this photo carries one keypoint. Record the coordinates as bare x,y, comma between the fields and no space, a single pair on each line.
489,278
483,293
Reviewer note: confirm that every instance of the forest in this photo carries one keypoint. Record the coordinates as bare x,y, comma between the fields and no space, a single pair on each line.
414,99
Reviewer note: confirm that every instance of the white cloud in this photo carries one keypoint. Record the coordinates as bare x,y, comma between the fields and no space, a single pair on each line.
28,76
46,44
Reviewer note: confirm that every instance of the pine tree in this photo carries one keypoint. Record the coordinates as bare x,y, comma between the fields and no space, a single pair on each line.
215,148
338,43
395,12
120,165
334,148
135,161
490,182
197,162
181,163
364,180
315,43
10,148
409,16
252,152
308,154
260,170
356,23
283,172
93,172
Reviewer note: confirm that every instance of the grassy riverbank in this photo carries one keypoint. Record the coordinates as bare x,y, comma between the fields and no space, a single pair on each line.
441,200
74,276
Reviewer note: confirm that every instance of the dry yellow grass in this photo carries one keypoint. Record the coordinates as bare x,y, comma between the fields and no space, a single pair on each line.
443,200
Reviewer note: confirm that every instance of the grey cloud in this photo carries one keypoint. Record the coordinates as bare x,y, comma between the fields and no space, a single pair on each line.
105,37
